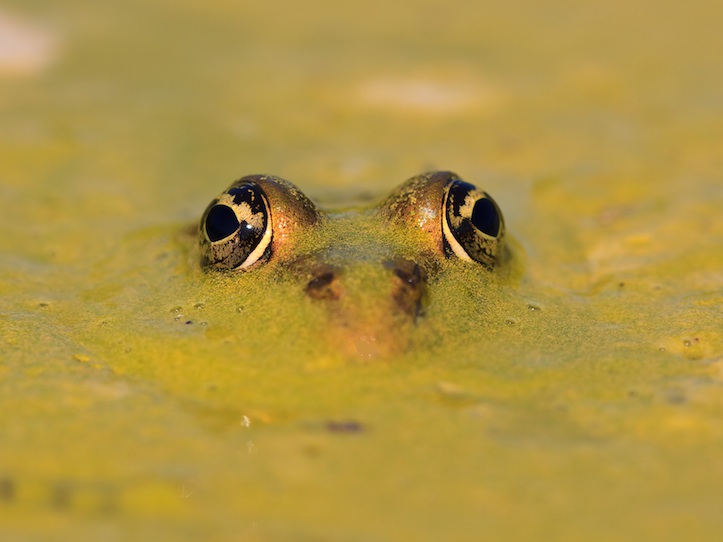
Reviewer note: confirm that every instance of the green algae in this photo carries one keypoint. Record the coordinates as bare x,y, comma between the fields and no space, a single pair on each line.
578,399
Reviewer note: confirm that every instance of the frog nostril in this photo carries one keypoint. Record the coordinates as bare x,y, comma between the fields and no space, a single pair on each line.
408,293
323,285
322,280
411,276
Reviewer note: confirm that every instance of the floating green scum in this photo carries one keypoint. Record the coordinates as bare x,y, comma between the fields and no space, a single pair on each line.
371,359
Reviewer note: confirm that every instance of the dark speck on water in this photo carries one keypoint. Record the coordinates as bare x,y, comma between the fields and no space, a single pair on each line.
61,496
7,489
344,426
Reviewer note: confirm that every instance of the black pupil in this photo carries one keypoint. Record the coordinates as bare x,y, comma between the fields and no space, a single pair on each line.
246,230
485,217
221,222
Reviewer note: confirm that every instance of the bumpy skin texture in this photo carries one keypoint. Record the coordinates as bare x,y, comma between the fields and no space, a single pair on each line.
426,201
418,201
289,211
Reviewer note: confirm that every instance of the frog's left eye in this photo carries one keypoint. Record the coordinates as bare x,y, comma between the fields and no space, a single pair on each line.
236,228
472,224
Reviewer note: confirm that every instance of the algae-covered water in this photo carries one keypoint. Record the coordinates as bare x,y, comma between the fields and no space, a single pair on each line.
581,399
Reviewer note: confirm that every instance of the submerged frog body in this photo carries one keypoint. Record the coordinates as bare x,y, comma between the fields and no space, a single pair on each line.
370,270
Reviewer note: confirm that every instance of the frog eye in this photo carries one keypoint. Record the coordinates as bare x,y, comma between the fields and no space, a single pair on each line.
235,231
472,224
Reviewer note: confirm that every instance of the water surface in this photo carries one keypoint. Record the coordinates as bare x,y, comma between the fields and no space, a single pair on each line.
582,400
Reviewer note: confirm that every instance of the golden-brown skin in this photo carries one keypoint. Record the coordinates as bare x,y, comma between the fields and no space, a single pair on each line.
368,271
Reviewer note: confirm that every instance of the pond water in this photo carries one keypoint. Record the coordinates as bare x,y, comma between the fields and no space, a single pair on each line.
576,396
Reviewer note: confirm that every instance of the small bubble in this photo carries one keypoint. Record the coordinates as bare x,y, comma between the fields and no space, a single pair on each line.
199,305
178,317
533,307
203,323
687,342
510,321
185,493
661,349
176,309
239,310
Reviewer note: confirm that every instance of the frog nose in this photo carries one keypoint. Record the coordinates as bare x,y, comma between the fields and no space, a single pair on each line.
372,307
324,284
407,289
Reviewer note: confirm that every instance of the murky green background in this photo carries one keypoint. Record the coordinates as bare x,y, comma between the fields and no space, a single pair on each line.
585,404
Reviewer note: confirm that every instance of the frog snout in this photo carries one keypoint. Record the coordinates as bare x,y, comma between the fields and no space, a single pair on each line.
407,285
369,306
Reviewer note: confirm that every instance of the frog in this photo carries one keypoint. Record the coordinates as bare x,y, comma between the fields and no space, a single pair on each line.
370,270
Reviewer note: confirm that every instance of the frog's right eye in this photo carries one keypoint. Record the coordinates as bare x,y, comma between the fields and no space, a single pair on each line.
472,224
457,219
235,231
